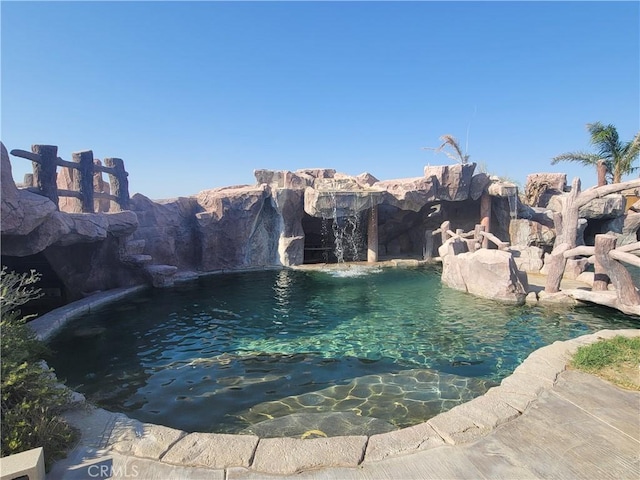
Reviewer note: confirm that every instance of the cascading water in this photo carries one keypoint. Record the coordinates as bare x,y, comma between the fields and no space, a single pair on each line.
347,237
513,203
324,234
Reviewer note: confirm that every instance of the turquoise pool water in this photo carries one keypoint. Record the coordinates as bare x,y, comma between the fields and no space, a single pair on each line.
376,348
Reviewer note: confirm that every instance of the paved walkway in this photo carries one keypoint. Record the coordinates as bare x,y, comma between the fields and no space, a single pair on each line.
541,422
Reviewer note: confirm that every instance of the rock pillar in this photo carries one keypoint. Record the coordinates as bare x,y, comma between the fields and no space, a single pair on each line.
601,168
485,216
372,235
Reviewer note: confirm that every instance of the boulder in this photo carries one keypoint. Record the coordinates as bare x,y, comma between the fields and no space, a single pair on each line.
283,179
317,172
624,227
499,188
540,215
239,227
486,273
167,229
62,229
366,179
339,203
555,182
452,182
575,267
9,189
161,276
21,211
609,206
527,258
526,232
409,193
540,187
479,184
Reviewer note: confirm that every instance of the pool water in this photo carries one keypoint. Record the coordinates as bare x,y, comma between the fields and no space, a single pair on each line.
282,352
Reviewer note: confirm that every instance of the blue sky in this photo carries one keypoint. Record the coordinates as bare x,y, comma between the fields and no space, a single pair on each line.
196,95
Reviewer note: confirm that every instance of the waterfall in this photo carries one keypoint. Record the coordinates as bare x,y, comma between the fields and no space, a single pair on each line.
324,235
513,203
347,237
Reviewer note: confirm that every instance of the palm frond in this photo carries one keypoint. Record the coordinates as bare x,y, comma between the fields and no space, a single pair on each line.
617,156
632,149
451,142
588,159
605,138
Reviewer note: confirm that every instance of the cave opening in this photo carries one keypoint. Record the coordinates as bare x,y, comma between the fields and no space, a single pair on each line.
54,292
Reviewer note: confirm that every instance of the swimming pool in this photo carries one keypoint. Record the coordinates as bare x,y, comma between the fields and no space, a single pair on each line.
346,350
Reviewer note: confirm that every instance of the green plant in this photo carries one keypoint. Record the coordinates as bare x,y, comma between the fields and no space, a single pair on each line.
616,359
31,400
617,156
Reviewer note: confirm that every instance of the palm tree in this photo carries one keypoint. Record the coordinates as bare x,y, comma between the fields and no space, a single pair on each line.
451,142
616,156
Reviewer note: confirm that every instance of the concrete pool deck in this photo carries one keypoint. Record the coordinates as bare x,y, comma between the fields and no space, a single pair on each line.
543,421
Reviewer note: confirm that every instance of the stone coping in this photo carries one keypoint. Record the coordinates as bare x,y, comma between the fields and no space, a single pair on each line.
48,324
105,433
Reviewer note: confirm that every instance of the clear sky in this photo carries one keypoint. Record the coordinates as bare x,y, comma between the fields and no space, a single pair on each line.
196,95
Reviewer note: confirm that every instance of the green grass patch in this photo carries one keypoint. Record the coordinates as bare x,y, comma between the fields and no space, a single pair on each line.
616,359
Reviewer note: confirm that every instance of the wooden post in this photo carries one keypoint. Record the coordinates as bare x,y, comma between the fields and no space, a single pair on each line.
45,172
372,235
485,216
83,181
620,277
119,183
428,245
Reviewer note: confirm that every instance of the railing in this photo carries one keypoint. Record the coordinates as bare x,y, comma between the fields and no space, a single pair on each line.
608,261
46,161
475,239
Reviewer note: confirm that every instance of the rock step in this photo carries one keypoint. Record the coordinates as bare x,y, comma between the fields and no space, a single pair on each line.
161,275
135,247
137,259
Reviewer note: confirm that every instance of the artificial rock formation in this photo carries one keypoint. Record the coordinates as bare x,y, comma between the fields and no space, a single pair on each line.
274,222
31,222
238,228
166,230
279,221
486,273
